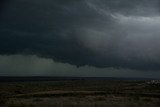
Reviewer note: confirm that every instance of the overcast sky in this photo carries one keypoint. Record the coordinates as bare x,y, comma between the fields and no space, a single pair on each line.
80,38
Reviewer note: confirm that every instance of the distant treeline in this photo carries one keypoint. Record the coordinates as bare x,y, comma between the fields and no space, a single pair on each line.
49,78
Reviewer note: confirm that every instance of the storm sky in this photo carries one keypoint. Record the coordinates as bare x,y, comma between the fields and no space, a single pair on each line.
80,38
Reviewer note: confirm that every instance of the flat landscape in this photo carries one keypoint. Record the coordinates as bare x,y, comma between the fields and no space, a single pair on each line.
78,92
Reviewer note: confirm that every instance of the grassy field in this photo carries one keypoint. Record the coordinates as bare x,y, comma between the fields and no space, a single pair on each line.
79,93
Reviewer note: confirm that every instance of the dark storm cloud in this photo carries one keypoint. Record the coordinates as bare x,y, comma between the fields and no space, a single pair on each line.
2,4
101,33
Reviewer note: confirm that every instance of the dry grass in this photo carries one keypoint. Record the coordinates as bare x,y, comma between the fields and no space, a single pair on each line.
79,93
88,101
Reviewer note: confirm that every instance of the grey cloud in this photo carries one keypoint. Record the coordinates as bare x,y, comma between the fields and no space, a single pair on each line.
128,7
100,33
32,65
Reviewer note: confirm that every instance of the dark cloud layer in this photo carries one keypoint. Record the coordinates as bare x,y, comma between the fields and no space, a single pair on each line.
101,33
